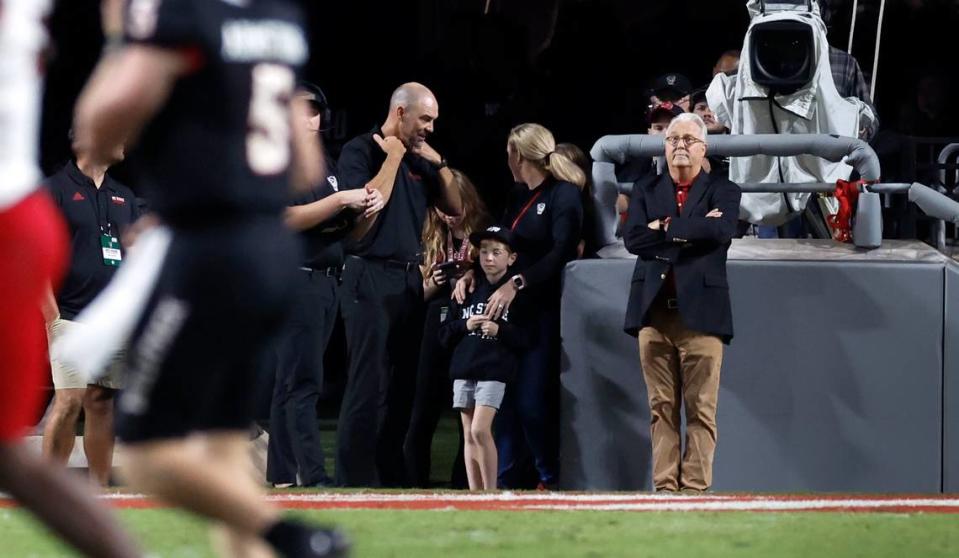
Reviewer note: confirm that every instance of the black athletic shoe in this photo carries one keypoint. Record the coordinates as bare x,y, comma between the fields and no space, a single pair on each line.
292,539
324,482
328,543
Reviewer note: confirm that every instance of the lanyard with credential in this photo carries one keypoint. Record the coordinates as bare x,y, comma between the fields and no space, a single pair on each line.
95,202
525,209
109,244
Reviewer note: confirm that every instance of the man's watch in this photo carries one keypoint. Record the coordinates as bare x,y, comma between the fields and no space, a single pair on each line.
441,165
518,282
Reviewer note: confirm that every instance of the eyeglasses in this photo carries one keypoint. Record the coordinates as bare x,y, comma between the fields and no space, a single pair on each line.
688,141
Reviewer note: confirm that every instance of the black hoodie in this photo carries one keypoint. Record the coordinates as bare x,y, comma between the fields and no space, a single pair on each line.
476,356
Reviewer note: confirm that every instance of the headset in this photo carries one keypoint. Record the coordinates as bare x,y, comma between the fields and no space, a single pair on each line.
321,102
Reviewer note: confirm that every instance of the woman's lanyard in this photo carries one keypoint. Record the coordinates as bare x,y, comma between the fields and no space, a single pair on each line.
455,256
524,210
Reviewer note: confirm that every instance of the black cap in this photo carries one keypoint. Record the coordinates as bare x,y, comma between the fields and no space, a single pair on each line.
665,108
671,87
499,234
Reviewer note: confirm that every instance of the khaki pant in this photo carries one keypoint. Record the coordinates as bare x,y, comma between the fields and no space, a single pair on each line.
680,366
67,377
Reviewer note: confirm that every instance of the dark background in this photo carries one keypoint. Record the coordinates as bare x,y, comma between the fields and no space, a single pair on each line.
580,67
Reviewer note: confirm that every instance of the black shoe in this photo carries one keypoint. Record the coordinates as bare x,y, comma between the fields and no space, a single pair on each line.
328,543
325,482
292,539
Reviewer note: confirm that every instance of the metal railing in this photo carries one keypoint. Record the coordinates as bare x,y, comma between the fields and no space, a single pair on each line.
610,151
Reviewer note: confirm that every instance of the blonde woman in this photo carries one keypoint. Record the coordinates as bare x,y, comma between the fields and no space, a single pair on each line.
447,254
446,238
545,215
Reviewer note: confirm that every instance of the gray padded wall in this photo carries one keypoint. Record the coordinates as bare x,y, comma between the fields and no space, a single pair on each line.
950,465
853,404
604,427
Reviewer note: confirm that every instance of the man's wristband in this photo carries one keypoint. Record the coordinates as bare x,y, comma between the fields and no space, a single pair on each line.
441,165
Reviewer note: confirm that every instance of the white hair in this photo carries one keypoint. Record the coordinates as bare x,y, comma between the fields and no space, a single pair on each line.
689,117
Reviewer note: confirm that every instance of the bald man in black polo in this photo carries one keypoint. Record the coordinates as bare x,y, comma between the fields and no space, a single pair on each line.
381,296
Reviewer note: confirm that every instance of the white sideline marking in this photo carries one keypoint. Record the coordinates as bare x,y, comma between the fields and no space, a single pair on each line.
620,501
754,505
718,501
462,497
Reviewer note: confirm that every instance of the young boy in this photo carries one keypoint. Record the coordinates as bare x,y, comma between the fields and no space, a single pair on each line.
484,355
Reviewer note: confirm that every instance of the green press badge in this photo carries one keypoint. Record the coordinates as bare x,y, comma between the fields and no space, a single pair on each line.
110,246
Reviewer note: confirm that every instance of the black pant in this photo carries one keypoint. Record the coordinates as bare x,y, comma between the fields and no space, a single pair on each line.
528,420
298,355
382,307
434,396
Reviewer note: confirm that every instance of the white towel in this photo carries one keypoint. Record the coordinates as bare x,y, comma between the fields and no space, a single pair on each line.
112,315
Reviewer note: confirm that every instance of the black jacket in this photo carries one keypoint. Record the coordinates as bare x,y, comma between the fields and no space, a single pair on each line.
475,356
546,235
695,247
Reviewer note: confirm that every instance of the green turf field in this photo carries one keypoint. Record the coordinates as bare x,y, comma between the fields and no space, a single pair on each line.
494,534
488,534
445,444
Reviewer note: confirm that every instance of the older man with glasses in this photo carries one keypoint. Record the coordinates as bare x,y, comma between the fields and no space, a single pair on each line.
680,225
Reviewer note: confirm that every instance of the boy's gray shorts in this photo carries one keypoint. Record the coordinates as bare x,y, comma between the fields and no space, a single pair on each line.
470,393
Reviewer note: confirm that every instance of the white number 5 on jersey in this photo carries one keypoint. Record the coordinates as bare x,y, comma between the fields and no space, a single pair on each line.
268,138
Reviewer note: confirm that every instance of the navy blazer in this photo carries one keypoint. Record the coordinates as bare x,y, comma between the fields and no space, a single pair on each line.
695,246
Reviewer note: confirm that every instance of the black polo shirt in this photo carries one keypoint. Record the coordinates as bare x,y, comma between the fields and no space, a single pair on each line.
322,244
89,212
397,232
